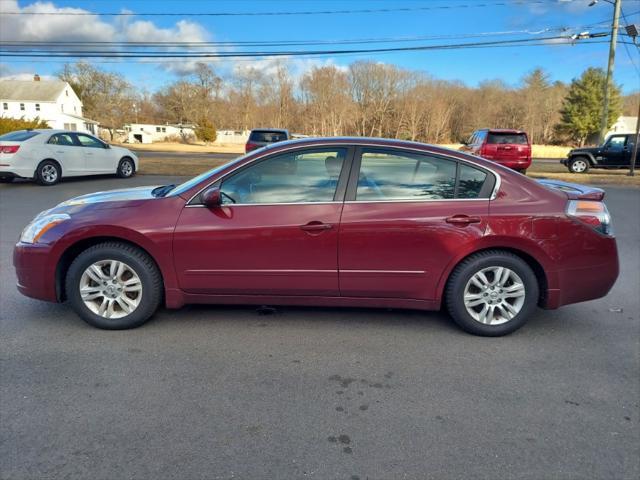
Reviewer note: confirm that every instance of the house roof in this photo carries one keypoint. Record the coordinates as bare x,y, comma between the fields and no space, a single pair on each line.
30,90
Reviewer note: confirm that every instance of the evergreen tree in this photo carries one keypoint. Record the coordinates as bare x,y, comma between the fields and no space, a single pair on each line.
582,107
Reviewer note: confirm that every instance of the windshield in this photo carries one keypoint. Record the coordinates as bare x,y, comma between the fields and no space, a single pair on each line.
183,187
19,136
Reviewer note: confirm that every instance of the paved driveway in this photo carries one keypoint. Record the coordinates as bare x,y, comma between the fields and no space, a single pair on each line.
221,392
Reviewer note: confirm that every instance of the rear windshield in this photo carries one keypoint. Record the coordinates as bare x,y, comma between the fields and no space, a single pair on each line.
502,138
19,136
269,137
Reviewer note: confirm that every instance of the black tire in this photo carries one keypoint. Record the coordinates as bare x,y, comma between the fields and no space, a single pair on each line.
461,276
48,173
139,262
579,165
6,179
126,168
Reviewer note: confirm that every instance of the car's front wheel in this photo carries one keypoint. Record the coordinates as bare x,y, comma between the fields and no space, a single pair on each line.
126,168
114,286
492,293
579,165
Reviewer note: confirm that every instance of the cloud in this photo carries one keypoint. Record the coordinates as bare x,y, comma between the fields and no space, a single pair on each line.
92,28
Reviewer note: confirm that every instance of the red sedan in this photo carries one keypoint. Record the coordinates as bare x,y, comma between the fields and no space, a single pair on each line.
350,222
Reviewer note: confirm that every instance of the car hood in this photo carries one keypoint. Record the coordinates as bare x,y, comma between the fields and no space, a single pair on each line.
585,150
121,196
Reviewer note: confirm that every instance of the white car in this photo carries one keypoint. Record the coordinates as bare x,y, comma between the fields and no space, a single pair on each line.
49,155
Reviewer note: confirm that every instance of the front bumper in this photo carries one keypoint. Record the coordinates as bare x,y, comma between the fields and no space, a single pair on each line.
35,271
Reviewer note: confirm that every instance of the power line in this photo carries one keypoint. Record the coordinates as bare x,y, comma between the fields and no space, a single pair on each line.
290,53
161,61
626,48
290,13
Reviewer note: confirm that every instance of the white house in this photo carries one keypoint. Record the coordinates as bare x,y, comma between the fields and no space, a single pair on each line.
52,101
149,133
623,125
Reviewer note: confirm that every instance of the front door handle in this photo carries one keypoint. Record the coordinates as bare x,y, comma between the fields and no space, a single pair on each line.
316,227
462,220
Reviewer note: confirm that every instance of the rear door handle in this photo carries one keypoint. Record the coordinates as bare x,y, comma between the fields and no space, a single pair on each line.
462,220
316,227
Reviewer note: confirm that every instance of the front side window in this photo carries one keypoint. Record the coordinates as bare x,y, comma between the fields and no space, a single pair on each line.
308,176
87,141
405,176
617,143
63,139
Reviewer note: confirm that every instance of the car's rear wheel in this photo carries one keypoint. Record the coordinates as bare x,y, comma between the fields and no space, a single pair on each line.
492,293
579,165
48,173
114,286
126,168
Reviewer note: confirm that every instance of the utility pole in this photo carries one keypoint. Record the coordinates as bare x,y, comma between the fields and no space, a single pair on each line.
612,55
634,153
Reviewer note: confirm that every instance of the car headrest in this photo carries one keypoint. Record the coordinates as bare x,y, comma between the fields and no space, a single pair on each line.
333,166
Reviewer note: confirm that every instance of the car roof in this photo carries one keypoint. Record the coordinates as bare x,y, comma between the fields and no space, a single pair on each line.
277,130
504,130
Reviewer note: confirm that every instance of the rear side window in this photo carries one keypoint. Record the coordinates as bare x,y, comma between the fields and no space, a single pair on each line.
386,175
19,136
470,181
503,138
268,137
63,139
404,176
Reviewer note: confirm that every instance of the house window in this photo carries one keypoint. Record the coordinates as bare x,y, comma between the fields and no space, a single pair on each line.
37,107
22,107
5,106
66,92
75,110
164,129
70,126
158,129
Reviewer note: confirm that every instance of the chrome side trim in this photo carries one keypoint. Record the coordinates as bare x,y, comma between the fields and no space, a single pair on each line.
493,196
266,204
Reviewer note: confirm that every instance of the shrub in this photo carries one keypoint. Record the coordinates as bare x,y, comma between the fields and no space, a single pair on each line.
206,131
8,124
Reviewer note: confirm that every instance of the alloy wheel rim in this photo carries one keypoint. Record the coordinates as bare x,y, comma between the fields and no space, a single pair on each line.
126,168
494,295
111,289
579,166
49,173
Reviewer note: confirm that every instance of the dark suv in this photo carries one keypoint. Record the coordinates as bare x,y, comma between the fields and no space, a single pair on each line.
614,153
261,137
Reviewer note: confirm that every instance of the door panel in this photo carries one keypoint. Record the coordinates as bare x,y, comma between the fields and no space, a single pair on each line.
258,249
64,148
398,249
97,158
405,216
277,233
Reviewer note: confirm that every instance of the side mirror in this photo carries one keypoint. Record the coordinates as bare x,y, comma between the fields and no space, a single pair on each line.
211,197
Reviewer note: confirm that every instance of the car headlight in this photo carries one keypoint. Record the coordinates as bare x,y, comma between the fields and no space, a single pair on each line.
40,225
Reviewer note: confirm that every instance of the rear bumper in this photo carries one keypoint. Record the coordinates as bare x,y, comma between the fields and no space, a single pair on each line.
513,163
36,275
584,283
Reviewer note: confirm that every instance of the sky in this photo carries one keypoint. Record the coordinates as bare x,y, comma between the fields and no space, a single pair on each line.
463,21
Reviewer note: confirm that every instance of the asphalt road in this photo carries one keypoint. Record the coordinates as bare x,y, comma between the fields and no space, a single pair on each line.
221,392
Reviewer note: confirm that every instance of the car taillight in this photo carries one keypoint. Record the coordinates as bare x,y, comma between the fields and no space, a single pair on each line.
9,148
592,213
250,146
